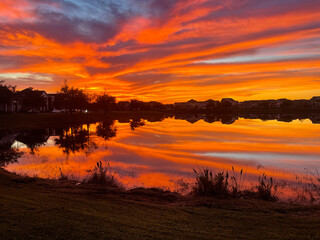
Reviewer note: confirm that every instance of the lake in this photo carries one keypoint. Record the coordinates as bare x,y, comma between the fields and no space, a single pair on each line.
163,152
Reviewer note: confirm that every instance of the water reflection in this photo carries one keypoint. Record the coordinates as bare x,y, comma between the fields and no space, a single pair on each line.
160,152
233,117
135,123
33,139
107,129
75,139
8,154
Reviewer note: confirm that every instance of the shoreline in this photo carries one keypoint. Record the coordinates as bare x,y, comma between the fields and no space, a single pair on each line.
47,120
56,120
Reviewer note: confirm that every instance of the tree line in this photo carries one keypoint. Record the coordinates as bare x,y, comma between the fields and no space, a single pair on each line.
70,99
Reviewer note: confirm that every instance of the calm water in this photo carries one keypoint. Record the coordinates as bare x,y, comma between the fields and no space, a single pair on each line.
164,153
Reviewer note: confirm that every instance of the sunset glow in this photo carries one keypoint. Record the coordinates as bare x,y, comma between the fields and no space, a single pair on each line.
165,50
162,154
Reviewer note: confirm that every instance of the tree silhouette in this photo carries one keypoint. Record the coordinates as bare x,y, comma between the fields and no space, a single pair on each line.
8,154
105,102
135,123
136,104
33,99
6,93
75,139
33,139
107,130
72,98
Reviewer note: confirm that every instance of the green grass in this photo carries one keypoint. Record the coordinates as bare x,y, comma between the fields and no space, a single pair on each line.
46,209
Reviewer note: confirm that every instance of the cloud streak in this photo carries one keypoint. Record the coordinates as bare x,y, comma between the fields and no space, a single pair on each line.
165,50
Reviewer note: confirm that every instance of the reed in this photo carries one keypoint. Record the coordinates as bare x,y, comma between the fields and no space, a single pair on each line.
100,175
267,188
208,184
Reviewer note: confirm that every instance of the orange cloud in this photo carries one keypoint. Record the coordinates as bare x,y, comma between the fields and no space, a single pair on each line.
164,53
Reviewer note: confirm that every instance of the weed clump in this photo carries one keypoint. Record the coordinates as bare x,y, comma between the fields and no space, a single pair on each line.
221,184
314,185
209,185
62,176
99,175
237,183
267,188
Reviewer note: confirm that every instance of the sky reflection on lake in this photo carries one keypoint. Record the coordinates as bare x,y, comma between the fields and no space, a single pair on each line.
160,154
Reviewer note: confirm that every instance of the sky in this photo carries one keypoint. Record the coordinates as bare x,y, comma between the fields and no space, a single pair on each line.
164,50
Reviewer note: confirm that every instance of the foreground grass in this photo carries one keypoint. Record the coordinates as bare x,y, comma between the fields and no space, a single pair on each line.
44,209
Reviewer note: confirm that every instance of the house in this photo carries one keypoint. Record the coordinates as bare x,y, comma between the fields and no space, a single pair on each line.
302,104
180,105
124,105
274,103
192,118
191,105
153,105
315,101
169,107
212,104
229,102
315,118
254,104
7,107
228,119
249,104
211,118
29,100
6,104
285,103
51,99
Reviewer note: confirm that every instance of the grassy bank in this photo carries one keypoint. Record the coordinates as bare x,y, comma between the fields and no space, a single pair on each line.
46,209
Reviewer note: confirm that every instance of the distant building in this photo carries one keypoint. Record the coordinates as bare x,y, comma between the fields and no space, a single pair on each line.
192,118
302,104
191,105
6,103
153,105
249,104
169,107
315,101
315,118
8,107
228,119
229,102
31,100
211,118
212,104
124,105
285,103
255,104
51,99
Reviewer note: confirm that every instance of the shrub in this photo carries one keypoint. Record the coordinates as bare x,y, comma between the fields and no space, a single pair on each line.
314,185
237,183
208,185
99,176
267,188
62,176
